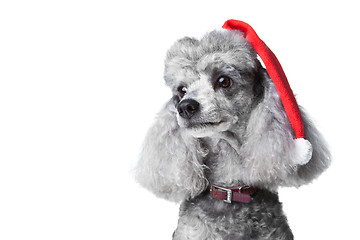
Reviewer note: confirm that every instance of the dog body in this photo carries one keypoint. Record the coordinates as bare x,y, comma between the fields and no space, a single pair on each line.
207,218
225,125
204,217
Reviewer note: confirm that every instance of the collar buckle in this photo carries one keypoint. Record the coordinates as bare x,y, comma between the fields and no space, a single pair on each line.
228,192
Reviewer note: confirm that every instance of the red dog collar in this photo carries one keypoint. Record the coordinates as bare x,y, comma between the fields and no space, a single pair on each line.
238,194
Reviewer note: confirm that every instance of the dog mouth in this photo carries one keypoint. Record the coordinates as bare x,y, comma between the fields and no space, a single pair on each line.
207,129
200,125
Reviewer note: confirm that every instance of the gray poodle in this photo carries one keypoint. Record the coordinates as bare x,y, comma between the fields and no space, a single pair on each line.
225,135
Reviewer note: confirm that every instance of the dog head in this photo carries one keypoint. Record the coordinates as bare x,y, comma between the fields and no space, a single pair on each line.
221,92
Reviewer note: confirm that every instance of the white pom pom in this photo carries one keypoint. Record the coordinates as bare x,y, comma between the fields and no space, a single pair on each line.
303,149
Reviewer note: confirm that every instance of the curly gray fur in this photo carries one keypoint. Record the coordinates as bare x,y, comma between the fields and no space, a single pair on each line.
240,136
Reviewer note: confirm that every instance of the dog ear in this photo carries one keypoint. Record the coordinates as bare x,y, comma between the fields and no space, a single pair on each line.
170,163
321,156
272,156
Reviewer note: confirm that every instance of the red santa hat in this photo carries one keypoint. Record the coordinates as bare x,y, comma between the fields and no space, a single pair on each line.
303,147
275,71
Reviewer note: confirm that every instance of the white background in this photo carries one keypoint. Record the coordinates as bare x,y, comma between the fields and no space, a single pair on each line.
81,81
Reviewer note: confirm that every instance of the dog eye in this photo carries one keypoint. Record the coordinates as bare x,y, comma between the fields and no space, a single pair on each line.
224,82
182,90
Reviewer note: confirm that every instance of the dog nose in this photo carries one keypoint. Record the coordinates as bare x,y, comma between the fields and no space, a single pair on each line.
187,108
